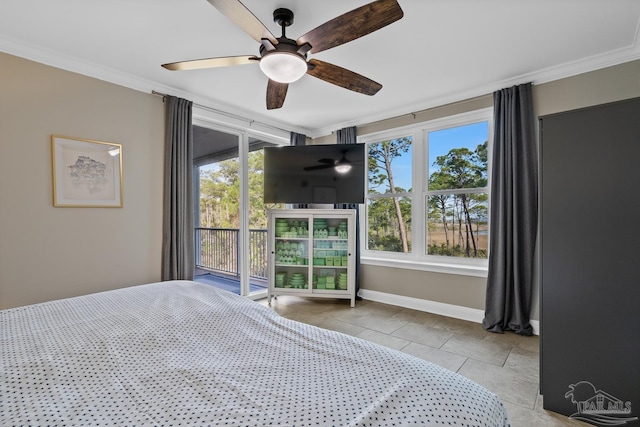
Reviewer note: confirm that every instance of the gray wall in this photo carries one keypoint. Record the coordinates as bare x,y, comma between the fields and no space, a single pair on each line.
593,88
50,253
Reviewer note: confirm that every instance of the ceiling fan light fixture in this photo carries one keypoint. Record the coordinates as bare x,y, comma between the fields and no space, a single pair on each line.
342,167
283,67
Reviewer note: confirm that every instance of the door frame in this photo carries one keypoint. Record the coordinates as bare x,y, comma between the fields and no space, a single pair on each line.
243,136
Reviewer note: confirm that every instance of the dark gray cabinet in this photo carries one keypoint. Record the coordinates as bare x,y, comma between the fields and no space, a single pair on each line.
590,302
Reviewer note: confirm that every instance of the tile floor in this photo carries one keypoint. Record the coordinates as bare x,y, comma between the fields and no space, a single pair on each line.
506,364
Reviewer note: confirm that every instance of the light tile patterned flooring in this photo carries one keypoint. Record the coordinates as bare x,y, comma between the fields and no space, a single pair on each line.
506,364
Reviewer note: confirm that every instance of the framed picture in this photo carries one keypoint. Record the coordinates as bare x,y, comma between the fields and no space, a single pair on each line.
86,173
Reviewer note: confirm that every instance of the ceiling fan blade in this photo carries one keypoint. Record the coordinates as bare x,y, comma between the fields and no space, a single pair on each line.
313,168
342,77
328,161
352,25
238,13
197,64
276,93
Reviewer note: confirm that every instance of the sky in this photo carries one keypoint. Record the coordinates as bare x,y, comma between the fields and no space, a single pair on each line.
440,142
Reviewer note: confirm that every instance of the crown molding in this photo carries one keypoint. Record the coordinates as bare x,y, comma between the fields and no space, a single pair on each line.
75,65
68,63
568,69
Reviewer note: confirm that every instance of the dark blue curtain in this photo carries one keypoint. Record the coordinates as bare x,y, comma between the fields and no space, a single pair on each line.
348,136
514,213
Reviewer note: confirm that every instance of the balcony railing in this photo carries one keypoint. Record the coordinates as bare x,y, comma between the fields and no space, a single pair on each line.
218,249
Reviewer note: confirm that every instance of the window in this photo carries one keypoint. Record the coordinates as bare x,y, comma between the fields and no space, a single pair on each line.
427,201
457,205
389,196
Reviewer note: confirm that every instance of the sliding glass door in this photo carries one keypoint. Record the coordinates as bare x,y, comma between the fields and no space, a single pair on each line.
231,224
257,217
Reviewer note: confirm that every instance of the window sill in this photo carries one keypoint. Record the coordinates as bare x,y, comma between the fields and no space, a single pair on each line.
474,270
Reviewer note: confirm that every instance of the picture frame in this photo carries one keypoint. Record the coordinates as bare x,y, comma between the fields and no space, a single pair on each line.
86,173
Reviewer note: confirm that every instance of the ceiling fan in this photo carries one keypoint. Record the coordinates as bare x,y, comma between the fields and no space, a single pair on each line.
343,165
284,60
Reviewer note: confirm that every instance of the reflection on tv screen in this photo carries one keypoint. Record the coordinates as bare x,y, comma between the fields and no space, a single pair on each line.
314,174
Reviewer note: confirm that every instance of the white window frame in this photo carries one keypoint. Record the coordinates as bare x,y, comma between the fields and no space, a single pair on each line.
417,259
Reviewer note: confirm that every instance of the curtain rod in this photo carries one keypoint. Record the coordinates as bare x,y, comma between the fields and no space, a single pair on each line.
224,113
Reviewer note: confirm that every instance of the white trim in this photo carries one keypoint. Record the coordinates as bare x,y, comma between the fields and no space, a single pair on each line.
474,270
212,120
417,259
535,324
66,62
243,175
444,122
77,65
545,75
455,311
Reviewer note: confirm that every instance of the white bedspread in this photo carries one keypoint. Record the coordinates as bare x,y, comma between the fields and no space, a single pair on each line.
182,353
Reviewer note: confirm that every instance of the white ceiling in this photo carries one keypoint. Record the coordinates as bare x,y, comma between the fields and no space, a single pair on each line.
441,51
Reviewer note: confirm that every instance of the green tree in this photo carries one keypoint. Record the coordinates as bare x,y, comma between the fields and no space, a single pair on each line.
458,169
220,194
257,211
257,208
381,156
438,205
383,223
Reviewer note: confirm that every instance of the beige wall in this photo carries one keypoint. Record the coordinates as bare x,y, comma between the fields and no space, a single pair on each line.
593,88
49,253
466,291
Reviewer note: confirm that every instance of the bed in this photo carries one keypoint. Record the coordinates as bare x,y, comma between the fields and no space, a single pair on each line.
182,353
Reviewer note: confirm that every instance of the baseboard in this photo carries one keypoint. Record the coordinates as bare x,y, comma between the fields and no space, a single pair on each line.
535,324
449,310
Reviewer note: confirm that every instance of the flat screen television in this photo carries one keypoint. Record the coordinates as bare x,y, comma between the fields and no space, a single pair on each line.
322,174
